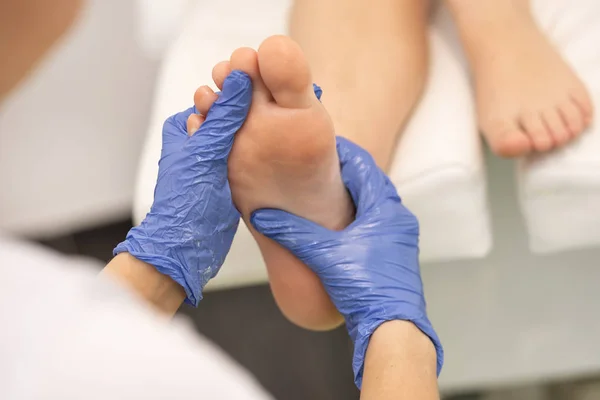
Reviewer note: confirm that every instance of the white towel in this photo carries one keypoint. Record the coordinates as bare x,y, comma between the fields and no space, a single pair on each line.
560,191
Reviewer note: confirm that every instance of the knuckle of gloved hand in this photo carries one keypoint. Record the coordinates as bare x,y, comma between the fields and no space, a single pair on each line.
177,122
410,223
395,214
169,124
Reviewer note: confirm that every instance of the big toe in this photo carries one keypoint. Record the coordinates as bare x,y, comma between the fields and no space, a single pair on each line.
507,139
286,73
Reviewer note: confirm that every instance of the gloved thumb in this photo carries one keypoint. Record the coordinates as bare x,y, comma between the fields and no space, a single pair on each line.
300,236
226,116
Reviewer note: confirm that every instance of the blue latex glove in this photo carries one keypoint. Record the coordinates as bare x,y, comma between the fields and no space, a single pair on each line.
190,227
370,269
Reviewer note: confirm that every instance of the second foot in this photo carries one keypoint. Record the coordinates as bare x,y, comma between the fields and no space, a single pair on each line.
528,98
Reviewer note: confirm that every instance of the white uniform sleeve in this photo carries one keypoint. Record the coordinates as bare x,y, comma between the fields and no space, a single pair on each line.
67,334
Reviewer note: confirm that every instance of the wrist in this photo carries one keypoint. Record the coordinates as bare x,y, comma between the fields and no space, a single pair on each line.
420,329
400,363
165,256
142,278
391,332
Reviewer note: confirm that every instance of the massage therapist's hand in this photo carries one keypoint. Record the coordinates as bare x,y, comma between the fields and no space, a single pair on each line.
190,227
370,269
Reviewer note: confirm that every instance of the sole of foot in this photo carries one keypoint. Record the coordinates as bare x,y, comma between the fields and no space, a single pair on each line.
285,157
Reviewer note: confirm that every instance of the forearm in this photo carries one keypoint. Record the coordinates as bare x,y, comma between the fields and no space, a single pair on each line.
157,289
400,364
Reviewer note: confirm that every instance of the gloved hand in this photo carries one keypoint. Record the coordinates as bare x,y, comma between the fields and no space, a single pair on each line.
190,227
370,269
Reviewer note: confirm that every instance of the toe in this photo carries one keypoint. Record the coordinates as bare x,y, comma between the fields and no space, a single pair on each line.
558,130
582,100
285,71
193,123
204,99
220,72
536,129
245,59
572,117
506,139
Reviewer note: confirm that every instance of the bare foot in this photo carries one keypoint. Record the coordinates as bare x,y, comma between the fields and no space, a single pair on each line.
285,157
528,98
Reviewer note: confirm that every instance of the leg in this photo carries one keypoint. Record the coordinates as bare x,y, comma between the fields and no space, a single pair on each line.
358,51
528,98
285,157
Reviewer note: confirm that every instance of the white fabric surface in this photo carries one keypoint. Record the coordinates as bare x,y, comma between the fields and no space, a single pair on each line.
560,192
439,156
68,334
438,166
158,23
